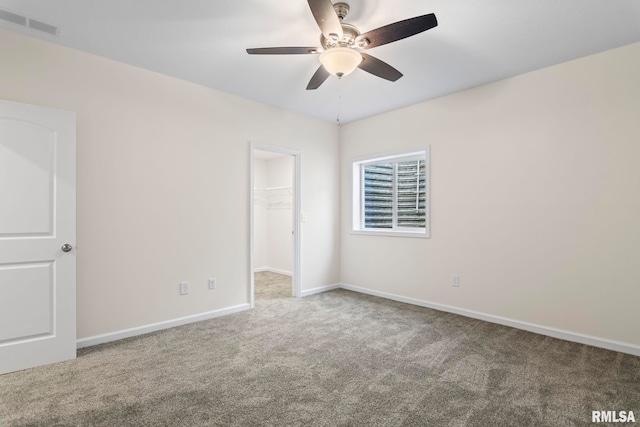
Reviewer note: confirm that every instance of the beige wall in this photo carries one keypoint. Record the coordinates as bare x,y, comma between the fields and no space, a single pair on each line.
535,199
163,184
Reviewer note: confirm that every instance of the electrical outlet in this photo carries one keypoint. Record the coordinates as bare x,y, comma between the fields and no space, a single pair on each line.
212,283
455,280
184,288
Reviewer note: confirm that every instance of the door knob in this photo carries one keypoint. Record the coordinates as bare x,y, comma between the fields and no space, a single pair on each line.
66,247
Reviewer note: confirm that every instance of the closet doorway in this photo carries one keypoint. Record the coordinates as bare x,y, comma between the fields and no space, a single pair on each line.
275,207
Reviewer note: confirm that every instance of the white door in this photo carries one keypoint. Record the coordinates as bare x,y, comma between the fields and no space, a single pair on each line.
37,218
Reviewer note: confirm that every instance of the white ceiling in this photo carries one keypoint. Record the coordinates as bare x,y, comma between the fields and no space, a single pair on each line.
204,41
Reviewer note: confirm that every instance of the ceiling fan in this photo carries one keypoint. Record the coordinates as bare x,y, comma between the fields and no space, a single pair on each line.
342,43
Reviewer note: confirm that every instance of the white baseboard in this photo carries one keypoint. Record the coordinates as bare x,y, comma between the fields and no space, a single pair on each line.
273,270
307,292
538,329
543,330
126,333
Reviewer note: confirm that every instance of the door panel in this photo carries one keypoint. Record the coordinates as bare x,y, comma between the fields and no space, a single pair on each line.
29,288
37,217
26,178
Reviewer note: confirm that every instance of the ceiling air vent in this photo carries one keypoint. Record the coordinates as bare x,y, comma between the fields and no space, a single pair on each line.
30,23
43,26
14,18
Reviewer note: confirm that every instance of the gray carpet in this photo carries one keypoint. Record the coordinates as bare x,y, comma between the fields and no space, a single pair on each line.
270,285
337,358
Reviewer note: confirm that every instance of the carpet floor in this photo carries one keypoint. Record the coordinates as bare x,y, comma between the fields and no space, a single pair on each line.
333,359
270,285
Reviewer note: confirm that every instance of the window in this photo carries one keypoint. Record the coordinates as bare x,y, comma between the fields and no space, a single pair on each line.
390,195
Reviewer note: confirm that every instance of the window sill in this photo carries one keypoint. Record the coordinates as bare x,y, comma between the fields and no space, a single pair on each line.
392,233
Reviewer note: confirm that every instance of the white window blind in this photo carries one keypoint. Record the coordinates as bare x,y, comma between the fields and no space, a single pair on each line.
391,194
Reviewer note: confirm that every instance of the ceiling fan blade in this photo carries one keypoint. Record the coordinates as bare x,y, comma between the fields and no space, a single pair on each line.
282,50
398,30
379,68
326,17
318,78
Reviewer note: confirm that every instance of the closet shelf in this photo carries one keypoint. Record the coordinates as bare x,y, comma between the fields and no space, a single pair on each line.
274,197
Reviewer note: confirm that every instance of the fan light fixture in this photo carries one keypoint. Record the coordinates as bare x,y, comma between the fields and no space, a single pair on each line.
340,61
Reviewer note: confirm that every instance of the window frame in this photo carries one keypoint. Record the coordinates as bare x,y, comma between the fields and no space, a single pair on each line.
358,194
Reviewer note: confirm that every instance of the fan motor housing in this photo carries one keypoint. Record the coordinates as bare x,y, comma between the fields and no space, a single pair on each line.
350,32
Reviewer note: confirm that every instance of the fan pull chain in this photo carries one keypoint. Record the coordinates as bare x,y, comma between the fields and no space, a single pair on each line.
338,122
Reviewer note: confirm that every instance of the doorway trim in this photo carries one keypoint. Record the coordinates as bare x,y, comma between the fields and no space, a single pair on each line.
296,216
